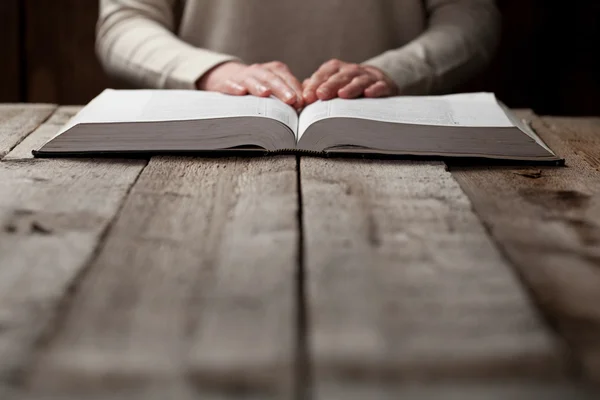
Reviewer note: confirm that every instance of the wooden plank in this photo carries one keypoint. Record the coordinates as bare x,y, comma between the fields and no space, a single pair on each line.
10,67
350,391
52,215
62,64
403,284
44,133
19,120
547,222
192,295
579,137
500,391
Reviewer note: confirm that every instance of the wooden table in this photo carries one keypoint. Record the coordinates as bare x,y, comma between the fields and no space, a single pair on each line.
285,278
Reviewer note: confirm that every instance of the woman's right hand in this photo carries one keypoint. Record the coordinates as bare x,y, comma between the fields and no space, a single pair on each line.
263,80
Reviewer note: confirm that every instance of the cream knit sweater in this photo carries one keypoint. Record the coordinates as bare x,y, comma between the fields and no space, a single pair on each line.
425,46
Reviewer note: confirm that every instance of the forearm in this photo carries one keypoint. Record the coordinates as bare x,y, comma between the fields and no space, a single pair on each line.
135,41
460,40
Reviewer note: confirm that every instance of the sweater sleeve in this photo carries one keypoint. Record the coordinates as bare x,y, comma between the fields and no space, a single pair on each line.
135,41
460,39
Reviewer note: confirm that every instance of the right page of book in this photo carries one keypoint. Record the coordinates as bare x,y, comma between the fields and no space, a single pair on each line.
471,109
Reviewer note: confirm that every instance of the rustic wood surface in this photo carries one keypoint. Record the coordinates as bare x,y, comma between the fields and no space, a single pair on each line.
195,285
280,278
437,391
42,134
547,222
16,122
53,214
405,285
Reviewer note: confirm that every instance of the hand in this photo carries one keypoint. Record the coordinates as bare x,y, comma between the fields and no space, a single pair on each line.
263,80
336,78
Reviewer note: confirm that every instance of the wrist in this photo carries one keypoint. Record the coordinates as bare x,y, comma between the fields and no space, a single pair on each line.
381,75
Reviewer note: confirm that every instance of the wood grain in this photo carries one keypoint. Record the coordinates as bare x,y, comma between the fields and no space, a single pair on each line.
502,391
548,224
42,134
10,67
52,215
19,120
192,295
404,286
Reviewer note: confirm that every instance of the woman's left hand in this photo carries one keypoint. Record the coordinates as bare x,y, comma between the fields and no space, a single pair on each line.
336,78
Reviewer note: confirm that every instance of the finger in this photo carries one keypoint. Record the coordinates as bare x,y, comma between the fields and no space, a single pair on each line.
279,88
357,87
309,94
329,89
233,88
324,72
283,72
378,89
256,87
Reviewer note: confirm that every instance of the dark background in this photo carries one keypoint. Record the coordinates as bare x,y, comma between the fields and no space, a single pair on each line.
548,59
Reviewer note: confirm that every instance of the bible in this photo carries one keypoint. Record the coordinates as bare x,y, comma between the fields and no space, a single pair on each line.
174,121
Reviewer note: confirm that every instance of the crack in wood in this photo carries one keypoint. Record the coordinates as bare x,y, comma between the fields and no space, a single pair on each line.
303,373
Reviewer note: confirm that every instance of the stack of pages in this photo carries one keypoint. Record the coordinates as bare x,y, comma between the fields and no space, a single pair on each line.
170,121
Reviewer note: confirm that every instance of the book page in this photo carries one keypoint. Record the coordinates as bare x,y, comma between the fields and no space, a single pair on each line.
179,105
475,110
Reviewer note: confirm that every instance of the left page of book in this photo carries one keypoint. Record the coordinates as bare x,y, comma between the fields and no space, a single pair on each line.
113,106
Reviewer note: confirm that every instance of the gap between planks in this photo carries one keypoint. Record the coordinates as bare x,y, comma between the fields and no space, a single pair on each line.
304,384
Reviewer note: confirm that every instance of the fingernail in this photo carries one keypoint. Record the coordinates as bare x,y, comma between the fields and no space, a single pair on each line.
289,95
262,88
323,91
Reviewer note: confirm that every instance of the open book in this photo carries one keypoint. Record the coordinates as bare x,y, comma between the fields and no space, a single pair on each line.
167,121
